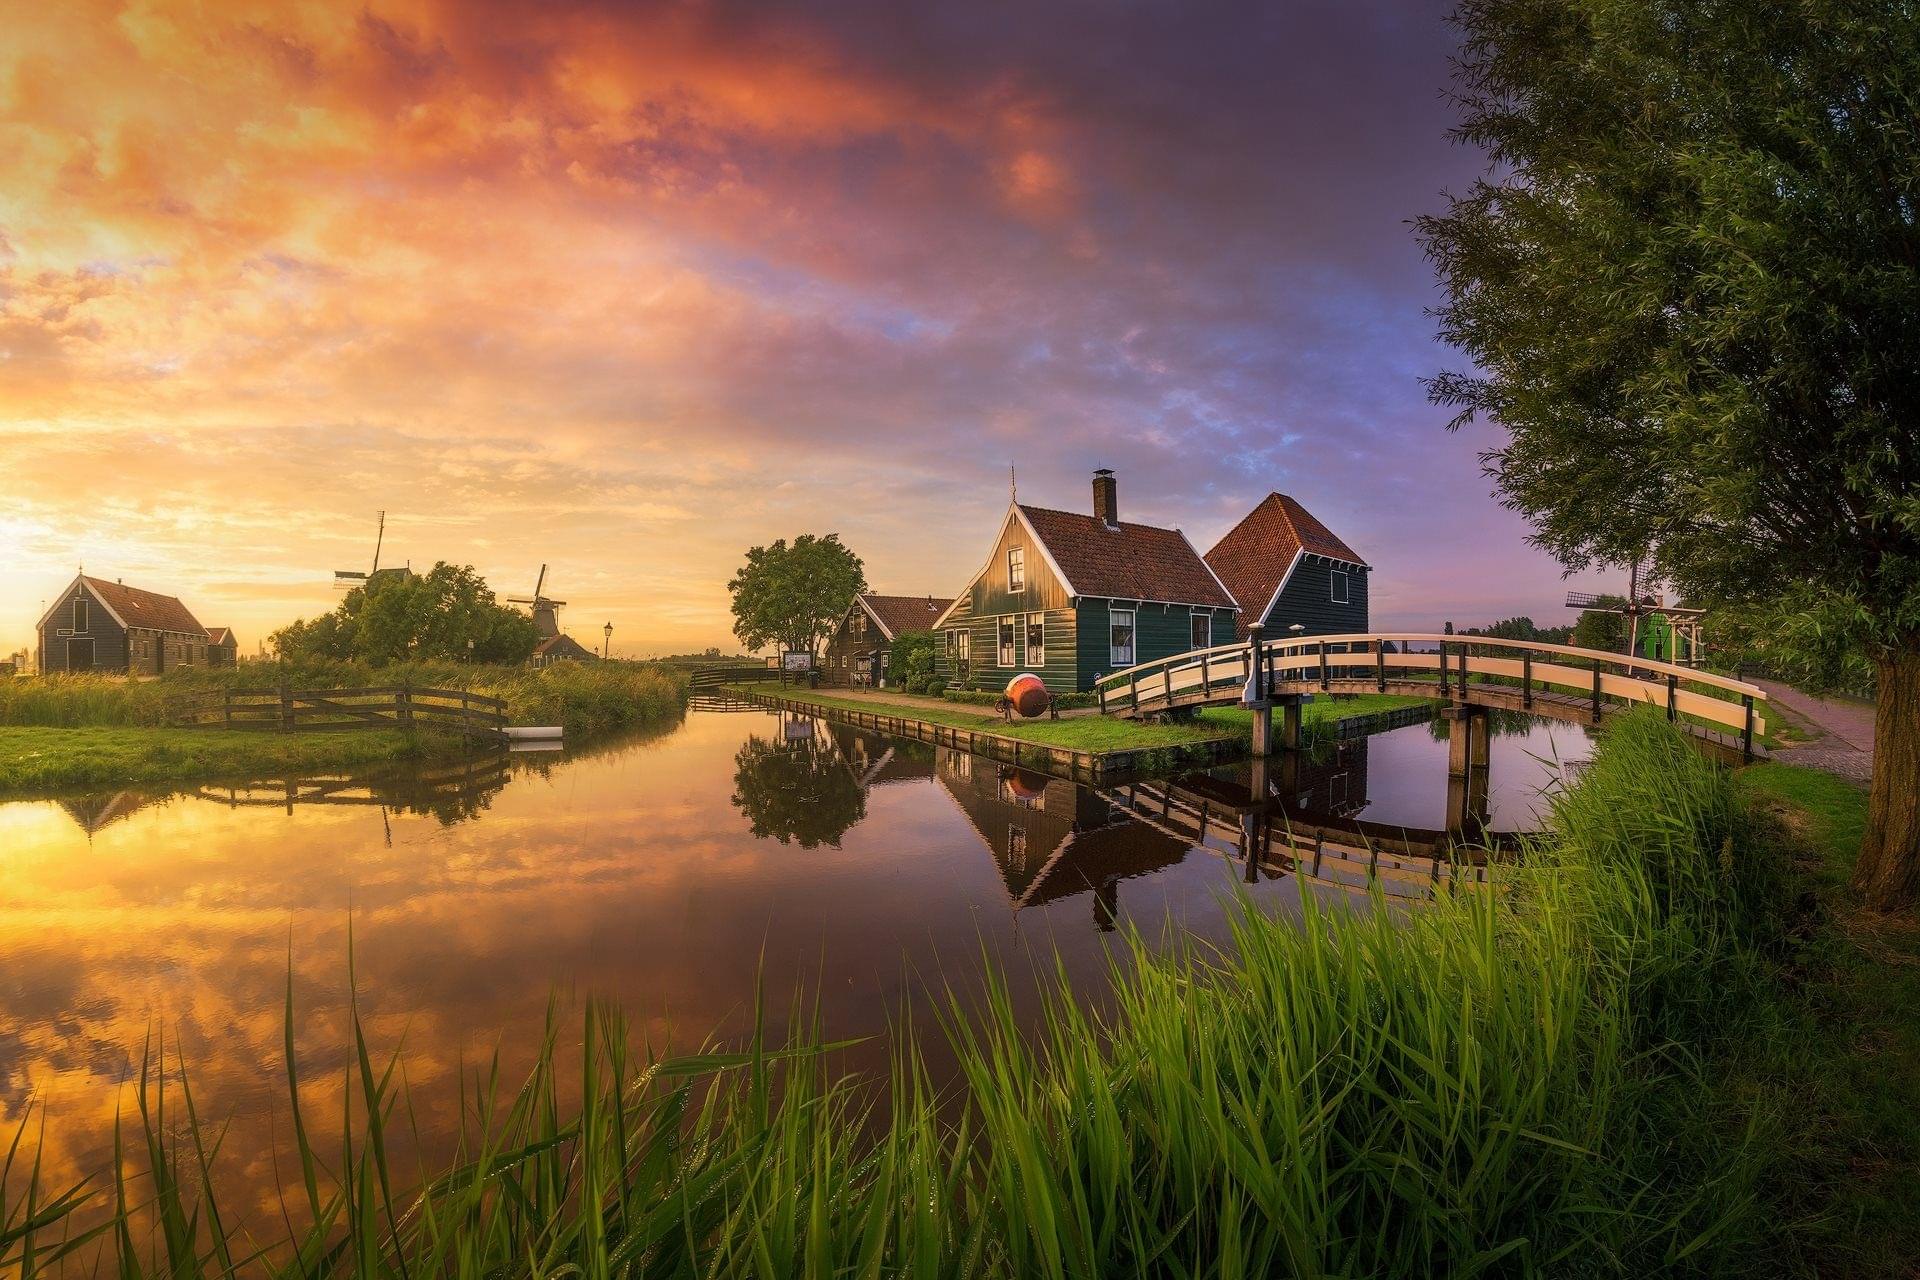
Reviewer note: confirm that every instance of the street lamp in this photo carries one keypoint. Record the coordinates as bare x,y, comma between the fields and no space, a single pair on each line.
1294,632
607,647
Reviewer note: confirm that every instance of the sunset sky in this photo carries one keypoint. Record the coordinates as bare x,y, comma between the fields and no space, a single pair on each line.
627,288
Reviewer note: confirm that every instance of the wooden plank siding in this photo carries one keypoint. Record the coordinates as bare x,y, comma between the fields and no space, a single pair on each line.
1307,598
109,638
1159,631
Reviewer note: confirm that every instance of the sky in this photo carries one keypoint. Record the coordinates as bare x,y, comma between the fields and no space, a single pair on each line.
627,288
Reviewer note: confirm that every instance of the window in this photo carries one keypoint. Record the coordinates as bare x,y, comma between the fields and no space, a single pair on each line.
1016,847
953,645
1036,640
1007,658
1121,640
966,643
80,613
1340,586
1202,630
1016,568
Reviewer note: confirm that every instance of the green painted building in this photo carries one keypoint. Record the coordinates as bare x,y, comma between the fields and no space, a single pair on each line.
1072,597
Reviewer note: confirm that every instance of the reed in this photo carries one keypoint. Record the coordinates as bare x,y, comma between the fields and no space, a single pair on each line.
1514,1080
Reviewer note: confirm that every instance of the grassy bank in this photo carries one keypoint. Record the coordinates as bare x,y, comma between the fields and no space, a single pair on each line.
66,732
1554,1077
38,760
1089,733
587,697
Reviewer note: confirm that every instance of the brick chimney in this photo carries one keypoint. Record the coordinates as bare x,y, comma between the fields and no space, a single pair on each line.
1106,498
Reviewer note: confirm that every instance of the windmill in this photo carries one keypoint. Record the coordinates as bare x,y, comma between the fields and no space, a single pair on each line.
546,612
1640,602
346,579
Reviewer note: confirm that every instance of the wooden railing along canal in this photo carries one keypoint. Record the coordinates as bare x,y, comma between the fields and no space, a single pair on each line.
284,709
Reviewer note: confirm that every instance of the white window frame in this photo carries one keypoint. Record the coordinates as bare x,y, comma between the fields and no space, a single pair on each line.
966,643
1007,641
1340,588
81,613
1200,615
1016,570
1133,637
1036,656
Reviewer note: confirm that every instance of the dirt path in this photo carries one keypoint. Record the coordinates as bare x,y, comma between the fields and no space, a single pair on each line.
1845,744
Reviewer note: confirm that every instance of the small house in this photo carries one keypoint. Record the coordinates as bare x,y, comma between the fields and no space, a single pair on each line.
857,650
560,648
1071,597
108,627
1287,568
222,649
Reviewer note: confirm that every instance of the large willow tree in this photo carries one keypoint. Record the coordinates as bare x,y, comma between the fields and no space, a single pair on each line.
1690,287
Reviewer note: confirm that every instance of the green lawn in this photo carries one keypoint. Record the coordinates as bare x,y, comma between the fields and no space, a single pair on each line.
1848,1040
34,759
1098,733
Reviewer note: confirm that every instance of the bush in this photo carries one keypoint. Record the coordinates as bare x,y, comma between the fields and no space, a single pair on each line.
937,687
910,660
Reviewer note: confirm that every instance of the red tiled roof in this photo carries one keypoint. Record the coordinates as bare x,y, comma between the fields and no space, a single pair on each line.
905,613
148,609
1255,554
1130,562
219,635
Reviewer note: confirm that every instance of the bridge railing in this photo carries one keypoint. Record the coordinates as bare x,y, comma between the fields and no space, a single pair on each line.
1442,666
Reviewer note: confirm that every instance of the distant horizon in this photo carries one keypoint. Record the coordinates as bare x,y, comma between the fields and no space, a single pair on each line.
627,290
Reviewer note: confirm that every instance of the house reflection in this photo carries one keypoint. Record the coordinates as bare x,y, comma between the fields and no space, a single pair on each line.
1051,838
94,812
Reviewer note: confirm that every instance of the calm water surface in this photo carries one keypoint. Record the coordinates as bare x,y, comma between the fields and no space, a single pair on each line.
669,875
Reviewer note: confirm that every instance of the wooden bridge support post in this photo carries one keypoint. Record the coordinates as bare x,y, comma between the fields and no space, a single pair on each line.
1468,748
1262,729
1290,704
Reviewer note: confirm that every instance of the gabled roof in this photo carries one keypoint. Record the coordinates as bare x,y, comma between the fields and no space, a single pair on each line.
132,607
897,614
1257,554
219,635
1125,562
563,645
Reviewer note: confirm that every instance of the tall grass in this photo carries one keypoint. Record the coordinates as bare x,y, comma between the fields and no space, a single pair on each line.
1515,1080
588,698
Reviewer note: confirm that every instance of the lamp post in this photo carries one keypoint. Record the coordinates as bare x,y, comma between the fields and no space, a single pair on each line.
606,646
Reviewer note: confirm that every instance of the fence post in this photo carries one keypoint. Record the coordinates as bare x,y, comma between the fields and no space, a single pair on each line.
286,707
1673,700
1325,675
403,704
1206,676
226,708
1746,734
1443,669
1380,662
1596,691
1526,678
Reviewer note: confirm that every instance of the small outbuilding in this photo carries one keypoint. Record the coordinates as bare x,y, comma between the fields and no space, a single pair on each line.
1287,568
111,628
560,648
222,649
857,650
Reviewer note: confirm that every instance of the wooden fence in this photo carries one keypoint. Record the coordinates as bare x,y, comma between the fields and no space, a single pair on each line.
285,710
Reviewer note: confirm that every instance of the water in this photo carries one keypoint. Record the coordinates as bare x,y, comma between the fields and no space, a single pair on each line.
670,874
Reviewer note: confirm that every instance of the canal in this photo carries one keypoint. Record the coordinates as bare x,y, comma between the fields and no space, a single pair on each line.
673,874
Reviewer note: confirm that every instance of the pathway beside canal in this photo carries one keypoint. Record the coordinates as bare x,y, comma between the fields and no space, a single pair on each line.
1845,726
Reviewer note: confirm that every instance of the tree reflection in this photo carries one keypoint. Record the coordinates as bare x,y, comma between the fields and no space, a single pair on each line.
798,791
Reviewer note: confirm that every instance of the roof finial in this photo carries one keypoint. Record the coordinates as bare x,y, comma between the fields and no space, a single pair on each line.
1013,486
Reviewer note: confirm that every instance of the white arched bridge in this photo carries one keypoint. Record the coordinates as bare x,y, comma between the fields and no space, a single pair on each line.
1467,672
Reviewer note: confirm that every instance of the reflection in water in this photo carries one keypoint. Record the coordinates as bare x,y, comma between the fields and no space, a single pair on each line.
659,873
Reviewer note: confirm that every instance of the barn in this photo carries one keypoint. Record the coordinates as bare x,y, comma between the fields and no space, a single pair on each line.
113,629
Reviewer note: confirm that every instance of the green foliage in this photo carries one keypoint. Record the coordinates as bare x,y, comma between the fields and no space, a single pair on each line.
46,760
1521,1080
797,792
1691,293
910,660
989,697
448,614
1597,629
1522,628
793,595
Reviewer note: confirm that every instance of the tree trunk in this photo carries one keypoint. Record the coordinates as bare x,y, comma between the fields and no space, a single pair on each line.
1888,875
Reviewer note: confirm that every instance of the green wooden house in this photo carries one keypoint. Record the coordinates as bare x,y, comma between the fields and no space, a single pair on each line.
1288,569
1072,597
